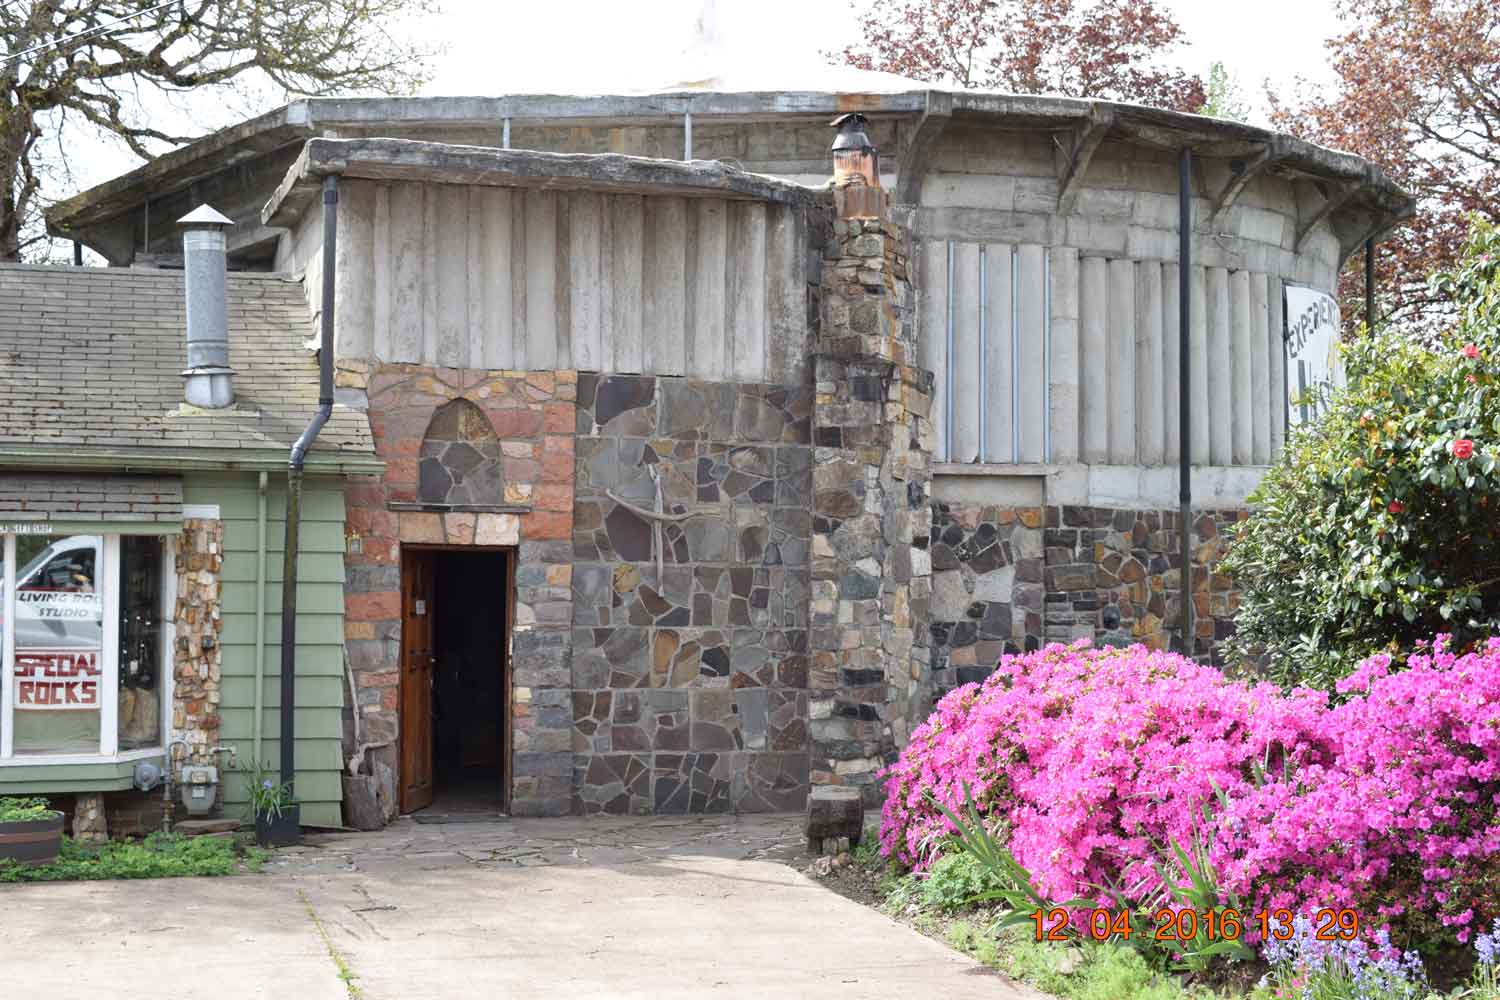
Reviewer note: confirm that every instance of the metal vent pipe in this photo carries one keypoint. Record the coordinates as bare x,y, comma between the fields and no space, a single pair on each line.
210,380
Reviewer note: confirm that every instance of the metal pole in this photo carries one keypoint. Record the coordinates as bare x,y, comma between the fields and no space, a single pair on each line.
1184,396
984,353
77,254
1370,285
687,135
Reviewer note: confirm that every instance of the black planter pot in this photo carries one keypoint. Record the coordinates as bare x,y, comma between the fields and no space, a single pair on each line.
279,831
32,842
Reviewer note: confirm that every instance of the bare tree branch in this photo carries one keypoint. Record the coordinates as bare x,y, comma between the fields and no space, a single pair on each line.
62,57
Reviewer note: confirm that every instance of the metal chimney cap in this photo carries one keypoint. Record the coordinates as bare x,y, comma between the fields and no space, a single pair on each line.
851,135
203,216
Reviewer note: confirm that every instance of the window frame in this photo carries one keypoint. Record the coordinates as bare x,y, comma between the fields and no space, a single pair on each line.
109,709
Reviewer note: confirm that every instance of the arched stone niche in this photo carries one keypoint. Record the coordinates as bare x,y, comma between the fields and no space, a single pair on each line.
460,458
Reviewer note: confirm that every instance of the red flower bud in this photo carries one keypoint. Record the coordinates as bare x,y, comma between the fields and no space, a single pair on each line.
1462,449
1471,351
1396,507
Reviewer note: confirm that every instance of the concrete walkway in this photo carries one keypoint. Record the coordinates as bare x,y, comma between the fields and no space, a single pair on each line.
603,907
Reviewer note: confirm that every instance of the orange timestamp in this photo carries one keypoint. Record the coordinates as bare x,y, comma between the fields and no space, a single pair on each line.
1193,925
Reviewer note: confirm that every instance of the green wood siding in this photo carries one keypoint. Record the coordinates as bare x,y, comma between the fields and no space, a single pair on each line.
59,779
320,634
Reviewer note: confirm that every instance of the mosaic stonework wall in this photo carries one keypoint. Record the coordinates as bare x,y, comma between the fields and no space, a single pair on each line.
690,590
197,658
531,416
460,459
1007,579
988,592
1112,574
871,584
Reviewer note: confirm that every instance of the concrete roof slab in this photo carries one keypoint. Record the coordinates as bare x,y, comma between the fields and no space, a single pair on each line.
444,163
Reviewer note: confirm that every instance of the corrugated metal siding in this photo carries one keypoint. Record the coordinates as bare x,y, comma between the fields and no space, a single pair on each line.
497,278
1043,355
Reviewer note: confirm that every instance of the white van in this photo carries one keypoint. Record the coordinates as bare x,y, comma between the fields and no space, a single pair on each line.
58,599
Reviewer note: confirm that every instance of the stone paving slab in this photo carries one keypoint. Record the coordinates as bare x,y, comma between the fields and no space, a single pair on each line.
598,907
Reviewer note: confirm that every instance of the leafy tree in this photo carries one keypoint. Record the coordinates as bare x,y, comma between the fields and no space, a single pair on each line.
1223,98
1377,526
92,61
1418,93
1081,48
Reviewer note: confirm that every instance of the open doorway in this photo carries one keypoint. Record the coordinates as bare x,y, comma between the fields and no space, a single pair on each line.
455,735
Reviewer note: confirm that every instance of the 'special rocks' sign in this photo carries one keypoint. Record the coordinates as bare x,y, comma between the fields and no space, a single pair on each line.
58,679
1312,356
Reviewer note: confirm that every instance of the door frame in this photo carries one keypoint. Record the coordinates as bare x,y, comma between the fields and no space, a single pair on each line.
507,748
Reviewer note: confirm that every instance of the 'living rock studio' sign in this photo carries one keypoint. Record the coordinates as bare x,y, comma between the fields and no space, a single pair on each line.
58,679
1312,356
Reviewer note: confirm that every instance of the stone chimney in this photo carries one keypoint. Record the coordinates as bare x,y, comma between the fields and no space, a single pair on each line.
210,380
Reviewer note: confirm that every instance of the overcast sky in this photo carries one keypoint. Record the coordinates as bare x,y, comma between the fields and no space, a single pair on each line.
507,46
604,45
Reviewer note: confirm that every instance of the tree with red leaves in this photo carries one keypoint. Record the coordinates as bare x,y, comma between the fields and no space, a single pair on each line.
1104,48
1419,94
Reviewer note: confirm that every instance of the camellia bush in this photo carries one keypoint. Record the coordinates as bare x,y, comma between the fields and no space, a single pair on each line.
1378,524
1095,767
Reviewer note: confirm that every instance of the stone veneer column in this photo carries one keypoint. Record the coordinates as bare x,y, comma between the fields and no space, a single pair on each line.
197,659
871,573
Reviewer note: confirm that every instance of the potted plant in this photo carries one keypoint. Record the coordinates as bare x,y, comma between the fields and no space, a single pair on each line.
30,831
277,816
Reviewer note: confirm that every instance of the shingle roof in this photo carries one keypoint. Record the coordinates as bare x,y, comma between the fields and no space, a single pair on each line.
91,361
29,496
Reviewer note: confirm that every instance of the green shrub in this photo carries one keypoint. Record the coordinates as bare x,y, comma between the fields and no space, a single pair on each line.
954,880
1376,526
23,810
158,856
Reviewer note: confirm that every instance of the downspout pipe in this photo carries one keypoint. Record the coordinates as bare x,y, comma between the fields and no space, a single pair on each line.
1370,285
1184,395
260,611
294,485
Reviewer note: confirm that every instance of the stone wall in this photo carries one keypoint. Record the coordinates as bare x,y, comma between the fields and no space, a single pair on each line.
1113,575
690,588
197,658
1007,579
532,416
987,587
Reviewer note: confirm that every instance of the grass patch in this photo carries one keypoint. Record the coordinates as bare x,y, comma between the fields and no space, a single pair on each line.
160,855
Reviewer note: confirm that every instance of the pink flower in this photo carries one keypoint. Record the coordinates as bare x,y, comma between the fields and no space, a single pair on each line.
1462,449
1471,351
1094,760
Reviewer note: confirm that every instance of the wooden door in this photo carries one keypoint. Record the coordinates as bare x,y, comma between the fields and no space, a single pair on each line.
417,663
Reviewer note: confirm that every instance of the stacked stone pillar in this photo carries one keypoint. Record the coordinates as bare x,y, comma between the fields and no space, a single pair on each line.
871,573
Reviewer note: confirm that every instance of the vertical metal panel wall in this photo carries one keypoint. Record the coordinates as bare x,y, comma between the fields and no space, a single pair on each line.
1043,355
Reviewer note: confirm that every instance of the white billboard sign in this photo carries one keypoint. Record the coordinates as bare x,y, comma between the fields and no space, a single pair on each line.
1312,357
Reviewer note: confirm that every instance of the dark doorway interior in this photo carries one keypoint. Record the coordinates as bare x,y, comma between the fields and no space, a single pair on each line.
469,737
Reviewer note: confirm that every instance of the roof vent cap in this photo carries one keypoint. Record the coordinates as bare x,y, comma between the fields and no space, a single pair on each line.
210,380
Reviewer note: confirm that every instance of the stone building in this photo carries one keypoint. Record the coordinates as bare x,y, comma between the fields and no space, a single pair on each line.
700,482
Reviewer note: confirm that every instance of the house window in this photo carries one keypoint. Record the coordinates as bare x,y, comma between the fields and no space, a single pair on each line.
86,641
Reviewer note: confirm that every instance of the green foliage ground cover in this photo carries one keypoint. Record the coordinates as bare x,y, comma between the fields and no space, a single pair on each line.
158,856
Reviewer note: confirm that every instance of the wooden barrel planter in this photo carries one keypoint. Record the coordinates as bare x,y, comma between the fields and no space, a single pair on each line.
32,842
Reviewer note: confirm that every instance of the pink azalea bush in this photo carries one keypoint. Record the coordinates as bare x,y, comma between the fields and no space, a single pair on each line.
1091,762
